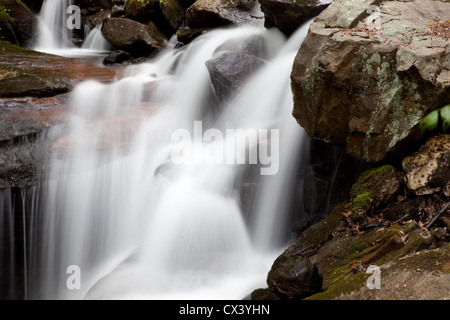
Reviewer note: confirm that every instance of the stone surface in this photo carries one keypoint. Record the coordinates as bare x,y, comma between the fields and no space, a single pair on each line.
229,71
367,88
289,15
294,277
216,13
131,36
428,170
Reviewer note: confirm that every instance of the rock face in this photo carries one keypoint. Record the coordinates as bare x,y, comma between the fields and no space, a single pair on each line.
216,13
288,15
428,170
131,36
365,79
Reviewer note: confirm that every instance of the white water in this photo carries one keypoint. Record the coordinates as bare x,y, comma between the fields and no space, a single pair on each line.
141,227
55,37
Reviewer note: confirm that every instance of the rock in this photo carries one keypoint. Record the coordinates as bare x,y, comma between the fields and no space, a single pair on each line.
105,4
24,118
294,277
117,56
375,188
289,15
428,170
173,12
216,13
229,71
18,17
265,294
407,208
139,9
253,45
366,88
131,36
34,5
186,35
97,19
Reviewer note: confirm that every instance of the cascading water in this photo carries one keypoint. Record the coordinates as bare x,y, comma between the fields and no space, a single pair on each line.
56,27
53,32
139,224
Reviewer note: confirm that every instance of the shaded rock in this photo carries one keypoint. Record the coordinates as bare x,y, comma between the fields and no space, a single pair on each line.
428,170
17,17
139,9
407,208
229,71
294,277
289,15
97,19
131,36
34,5
117,56
216,13
173,12
186,35
375,188
366,88
266,294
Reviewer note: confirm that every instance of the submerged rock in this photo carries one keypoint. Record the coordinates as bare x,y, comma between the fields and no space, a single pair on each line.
365,79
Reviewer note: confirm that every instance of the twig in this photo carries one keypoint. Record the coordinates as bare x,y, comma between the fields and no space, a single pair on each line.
444,208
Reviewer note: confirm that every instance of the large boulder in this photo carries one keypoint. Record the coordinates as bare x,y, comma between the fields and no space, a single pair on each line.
216,13
365,79
134,37
288,15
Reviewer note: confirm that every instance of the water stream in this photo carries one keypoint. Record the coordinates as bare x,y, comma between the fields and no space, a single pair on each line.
154,189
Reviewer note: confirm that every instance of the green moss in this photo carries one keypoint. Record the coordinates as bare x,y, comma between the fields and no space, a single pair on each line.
347,285
8,47
362,202
369,178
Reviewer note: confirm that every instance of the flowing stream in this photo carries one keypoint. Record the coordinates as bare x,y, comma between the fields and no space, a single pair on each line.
154,189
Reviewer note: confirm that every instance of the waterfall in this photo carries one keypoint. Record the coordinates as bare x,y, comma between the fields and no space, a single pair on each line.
140,225
53,32
95,40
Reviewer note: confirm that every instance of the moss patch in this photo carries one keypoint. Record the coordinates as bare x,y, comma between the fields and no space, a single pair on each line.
369,178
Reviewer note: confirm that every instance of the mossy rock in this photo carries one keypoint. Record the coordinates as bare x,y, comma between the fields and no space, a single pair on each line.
375,188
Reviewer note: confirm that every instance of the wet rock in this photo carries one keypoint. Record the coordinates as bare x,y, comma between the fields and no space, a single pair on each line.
294,277
186,35
216,13
367,88
253,45
131,36
288,15
428,170
229,71
117,56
